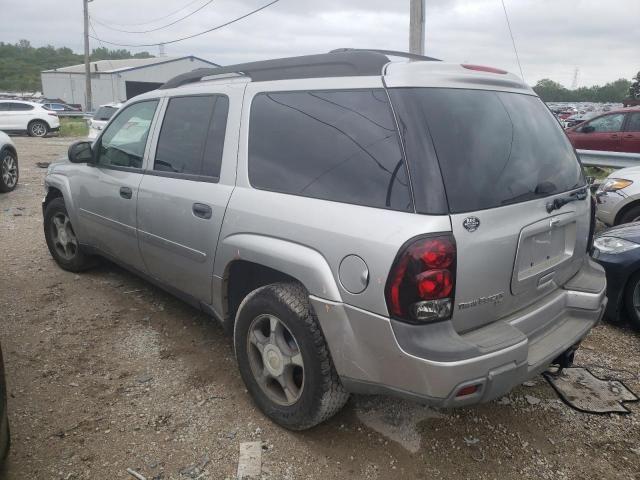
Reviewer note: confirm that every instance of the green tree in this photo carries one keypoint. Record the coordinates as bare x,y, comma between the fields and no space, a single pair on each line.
21,63
613,92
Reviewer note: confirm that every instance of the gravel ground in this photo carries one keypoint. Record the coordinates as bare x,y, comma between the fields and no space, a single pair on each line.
106,372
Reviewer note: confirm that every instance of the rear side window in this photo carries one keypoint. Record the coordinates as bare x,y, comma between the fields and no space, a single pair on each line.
333,145
493,148
192,136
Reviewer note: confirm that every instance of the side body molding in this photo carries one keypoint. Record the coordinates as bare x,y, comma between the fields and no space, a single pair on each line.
303,263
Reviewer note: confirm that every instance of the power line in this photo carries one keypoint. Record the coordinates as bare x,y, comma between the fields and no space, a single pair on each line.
151,21
157,28
218,27
99,41
513,40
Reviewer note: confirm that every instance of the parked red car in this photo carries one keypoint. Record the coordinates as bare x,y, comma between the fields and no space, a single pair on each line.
617,131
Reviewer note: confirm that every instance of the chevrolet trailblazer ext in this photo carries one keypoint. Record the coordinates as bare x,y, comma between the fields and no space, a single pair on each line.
416,228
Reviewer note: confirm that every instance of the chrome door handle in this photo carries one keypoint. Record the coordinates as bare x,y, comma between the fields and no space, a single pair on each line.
201,210
126,192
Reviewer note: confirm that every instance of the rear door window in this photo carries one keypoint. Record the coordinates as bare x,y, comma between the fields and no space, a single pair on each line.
333,145
21,107
633,125
493,148
192,136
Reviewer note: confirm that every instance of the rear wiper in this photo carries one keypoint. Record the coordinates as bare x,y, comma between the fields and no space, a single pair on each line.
558,203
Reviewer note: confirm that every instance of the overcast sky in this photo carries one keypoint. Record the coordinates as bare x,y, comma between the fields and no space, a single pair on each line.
553,37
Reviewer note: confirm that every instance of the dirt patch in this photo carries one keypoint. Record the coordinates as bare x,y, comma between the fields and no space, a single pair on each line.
106,373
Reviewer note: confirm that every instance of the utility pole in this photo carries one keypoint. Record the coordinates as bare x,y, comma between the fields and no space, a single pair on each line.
416,33
87,64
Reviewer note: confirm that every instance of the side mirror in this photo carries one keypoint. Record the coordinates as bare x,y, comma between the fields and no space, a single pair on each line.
80,152
588,129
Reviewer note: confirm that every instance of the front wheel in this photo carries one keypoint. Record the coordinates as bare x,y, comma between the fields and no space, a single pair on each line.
38,128
8,171
61,238
283,357
631,215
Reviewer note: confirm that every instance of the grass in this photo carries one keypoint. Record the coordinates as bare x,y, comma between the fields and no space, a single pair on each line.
598,172
73,127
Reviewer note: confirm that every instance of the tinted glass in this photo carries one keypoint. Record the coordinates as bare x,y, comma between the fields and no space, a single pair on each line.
4,107
104,113
634,122
123,142
334,145
607,124
21,107
493,148
192,136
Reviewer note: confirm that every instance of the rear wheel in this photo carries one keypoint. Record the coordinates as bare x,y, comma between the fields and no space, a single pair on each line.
632,300
283,357
8,171
62,240
631,215
38,128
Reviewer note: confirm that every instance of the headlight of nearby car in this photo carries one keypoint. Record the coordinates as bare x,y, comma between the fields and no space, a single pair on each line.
615,184
614,245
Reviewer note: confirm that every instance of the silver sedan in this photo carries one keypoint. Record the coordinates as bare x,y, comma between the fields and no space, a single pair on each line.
619,197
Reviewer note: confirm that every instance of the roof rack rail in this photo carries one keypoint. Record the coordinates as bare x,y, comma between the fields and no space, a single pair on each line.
335,64
393,53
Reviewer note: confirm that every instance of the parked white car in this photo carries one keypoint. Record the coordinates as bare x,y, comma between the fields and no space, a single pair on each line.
8,165
30,117
101,118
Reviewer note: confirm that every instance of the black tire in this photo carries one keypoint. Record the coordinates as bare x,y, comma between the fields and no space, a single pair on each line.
38,128
632,313
77,260
633,214
321,395
8,181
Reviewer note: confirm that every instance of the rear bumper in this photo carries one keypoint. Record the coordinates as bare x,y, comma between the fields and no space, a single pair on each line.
431,363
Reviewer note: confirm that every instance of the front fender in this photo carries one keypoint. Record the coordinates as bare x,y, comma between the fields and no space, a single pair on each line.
61,183
306,265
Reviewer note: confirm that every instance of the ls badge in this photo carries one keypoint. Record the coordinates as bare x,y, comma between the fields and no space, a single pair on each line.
471,223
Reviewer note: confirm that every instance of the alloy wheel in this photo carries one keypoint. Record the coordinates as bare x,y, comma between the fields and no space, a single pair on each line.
275,360
9,171
64,238
38,129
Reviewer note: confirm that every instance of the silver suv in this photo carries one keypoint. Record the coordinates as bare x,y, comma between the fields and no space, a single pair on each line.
412,228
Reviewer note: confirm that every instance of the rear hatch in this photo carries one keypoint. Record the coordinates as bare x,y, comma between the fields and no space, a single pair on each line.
503,160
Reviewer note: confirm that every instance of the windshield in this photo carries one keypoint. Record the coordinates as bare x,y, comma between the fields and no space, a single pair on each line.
104,113
493,148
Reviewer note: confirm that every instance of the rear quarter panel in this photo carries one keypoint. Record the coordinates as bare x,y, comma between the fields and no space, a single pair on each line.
329,230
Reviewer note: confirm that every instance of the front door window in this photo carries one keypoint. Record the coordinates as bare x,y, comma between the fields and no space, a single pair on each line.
123,142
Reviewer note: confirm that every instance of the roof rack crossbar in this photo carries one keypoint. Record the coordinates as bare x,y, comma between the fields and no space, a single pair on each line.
338,64
393,53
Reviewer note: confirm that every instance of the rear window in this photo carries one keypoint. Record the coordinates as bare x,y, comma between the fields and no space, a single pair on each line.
104,113
493,148
333,145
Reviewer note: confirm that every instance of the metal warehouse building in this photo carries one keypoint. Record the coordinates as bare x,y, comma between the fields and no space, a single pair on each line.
116,80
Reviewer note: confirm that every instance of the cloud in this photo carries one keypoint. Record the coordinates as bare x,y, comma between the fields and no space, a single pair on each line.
553,37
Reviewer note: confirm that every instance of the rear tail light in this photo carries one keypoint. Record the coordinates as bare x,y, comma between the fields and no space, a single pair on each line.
482,68
421,283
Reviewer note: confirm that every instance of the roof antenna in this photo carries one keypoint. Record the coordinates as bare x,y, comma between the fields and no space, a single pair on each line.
512,40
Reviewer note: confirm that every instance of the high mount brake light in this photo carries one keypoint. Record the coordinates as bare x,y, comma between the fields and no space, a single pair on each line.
422,280
482,68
